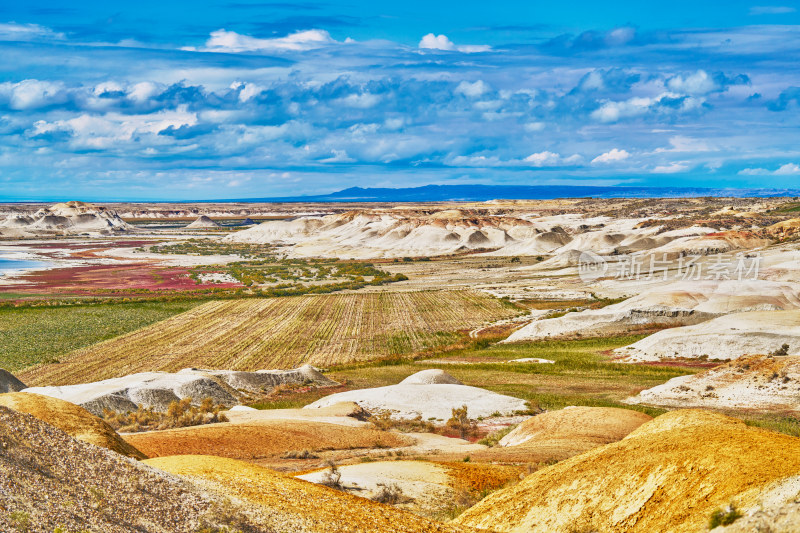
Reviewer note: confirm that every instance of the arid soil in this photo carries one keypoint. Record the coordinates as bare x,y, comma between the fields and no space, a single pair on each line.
261,440
668,475
73,420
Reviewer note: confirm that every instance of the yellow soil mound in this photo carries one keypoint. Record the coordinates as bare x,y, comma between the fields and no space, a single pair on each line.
71,419
258,440
668,475
558,435
298,505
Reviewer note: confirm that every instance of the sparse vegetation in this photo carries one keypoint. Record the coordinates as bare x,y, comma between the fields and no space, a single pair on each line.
495,437
724,517
783,350
390,494
179,414
332,477
461,422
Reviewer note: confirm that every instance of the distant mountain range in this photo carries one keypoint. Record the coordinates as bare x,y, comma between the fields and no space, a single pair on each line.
480,193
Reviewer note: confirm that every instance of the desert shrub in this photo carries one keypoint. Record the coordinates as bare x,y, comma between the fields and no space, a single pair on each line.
305,454
179,414
383,421
390,494
63,529
461,422
493,438
332,477
724,517
783,350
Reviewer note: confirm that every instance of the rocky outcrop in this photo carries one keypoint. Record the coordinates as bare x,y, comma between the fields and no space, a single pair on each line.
158,389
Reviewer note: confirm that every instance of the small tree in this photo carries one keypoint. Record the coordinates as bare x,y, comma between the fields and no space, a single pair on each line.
461,422
783,350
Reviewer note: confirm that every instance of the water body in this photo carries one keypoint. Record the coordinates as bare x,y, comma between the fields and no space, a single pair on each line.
8,265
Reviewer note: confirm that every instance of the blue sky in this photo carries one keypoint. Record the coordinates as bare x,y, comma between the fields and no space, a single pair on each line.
236,98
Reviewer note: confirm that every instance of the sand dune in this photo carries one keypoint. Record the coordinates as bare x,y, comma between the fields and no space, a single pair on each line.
70,218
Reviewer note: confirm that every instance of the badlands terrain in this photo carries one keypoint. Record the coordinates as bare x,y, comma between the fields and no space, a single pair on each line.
572,365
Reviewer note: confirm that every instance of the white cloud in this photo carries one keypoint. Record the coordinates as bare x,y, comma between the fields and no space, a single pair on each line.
441,42
362,101
247,91
230,41
698,83
27,32
551,159
679,143
612,156
472,90
672,168
788,169
339,156
771,10
534,126
612,111
32,94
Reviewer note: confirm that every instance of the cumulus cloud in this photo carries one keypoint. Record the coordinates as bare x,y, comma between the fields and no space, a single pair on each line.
613,111
472,90
613,156
232,42
441,42
672,168
788,169
551,159
32,94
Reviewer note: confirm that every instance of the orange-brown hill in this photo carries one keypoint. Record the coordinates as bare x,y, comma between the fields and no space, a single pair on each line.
258,440
299,505
668,475
70,418
557,435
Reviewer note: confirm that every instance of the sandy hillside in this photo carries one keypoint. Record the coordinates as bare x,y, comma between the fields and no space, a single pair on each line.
726,337
73,420
263,439
299,505
429,394
380,233
759,383
203,222
425,487
777,510
557,435
70,218
676,304
49,479
668,475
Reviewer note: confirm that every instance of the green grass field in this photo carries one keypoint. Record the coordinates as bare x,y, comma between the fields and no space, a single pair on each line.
34,335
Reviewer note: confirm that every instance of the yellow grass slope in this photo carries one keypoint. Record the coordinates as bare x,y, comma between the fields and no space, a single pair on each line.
259,440
71,419
668,475
255,334
289,504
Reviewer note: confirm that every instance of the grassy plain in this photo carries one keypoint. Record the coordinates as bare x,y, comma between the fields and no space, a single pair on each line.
35,335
